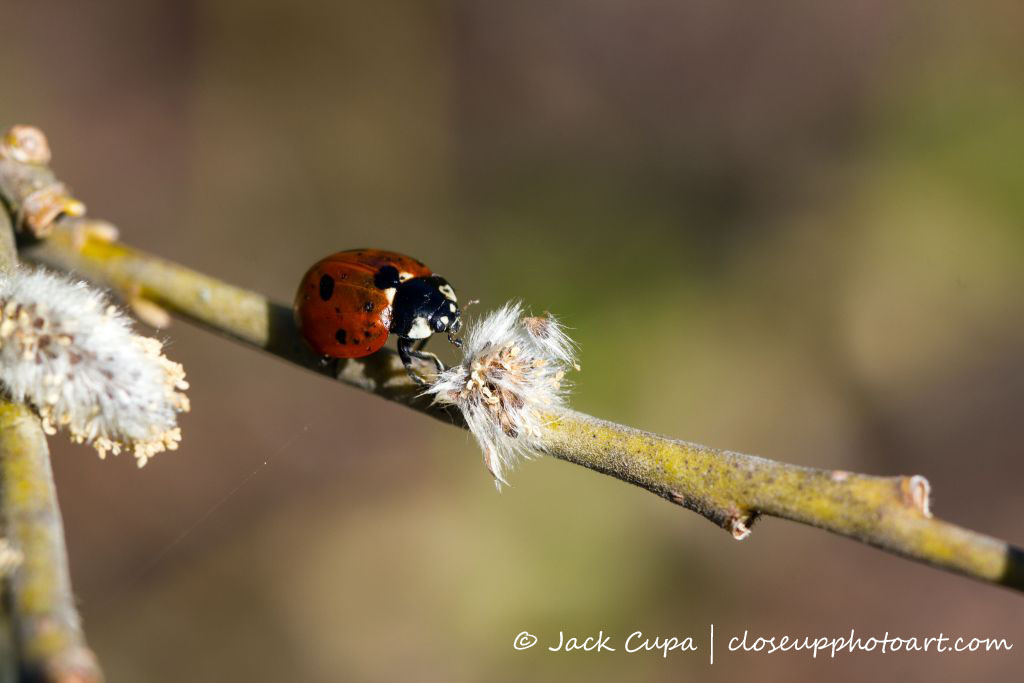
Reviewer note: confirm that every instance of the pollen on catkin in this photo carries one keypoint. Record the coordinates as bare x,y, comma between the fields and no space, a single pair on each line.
512,374
72,356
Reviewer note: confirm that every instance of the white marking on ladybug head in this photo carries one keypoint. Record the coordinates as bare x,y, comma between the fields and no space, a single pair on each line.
451,307
447,291
389,294
420,328
444,320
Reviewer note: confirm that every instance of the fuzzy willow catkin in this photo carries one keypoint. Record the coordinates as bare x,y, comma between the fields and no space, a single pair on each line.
72,356
512,372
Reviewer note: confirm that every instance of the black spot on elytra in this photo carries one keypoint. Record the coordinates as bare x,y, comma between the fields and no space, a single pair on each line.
326,287
340,336
337,309
386,278
368,307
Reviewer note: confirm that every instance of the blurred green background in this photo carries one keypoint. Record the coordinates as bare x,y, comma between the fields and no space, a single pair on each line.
793,230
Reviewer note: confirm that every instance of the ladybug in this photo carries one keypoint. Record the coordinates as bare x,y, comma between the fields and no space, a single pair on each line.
349,302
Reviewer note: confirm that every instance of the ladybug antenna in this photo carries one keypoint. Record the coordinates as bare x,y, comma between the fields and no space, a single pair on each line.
470,303
457,343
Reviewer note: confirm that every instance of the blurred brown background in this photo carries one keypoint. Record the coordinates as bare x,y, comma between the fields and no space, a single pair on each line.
792,230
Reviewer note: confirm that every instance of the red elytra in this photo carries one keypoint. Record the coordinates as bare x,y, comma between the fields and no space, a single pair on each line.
341,307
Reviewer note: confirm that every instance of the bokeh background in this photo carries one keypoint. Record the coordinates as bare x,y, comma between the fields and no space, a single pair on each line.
792,229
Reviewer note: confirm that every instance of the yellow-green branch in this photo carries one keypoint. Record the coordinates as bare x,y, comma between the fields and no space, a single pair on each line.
730,489
48,634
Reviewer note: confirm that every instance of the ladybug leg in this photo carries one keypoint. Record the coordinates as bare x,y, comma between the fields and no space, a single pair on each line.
422,343
407,352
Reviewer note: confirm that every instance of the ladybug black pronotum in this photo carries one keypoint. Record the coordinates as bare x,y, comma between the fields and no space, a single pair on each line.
349,302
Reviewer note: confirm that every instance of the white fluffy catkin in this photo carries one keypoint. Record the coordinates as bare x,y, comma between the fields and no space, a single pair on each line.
512,373
71,355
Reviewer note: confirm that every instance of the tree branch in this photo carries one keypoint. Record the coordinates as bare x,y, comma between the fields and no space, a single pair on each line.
48,632
730,489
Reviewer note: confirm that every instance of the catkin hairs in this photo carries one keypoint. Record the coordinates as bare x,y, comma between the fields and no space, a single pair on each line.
71,355
512,372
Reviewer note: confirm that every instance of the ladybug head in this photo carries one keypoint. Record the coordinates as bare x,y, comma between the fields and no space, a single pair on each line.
424,306
446,316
